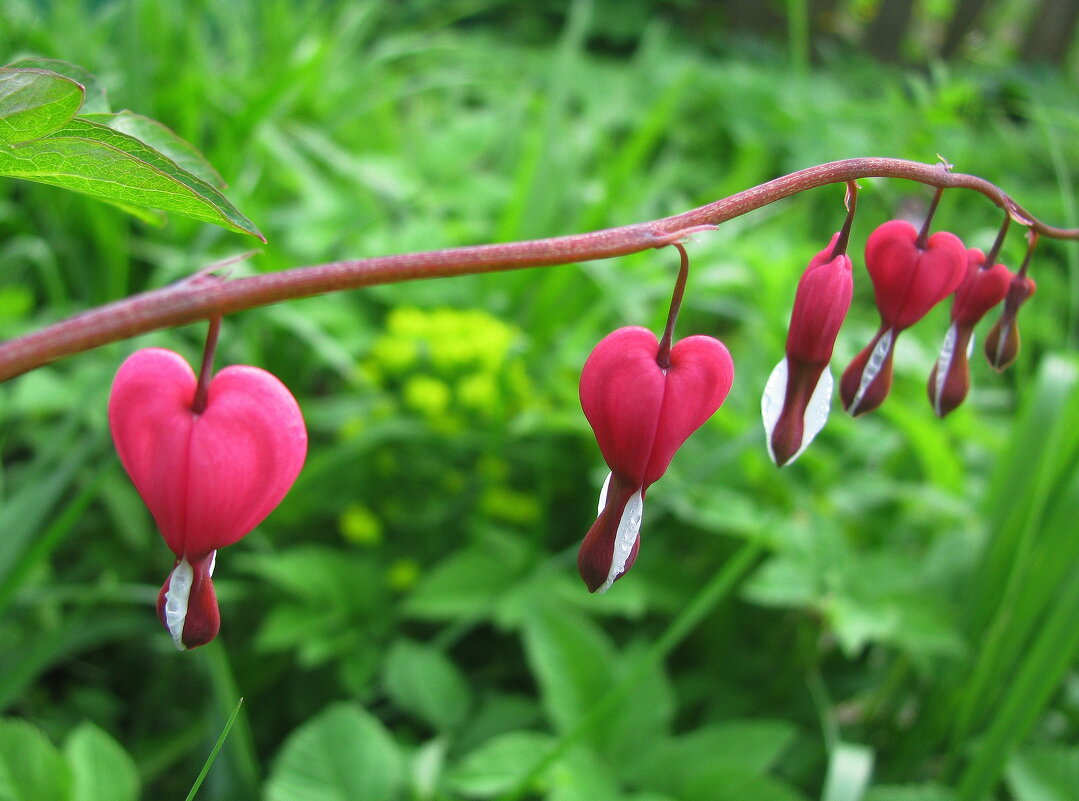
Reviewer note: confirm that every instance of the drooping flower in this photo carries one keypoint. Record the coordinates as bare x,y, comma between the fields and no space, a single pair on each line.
982,288
641,414
908,280
798,394
1002,342
208,478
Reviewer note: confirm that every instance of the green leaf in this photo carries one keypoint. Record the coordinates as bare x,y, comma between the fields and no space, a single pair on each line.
910,792
497,764
741,785
112,166
342,754
162,139
1045,774
421,680
31,768
101,769
708,753
34,103
95,100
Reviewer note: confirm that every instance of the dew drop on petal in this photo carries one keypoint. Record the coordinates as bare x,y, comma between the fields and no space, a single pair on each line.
775,393
176,600
603,494
872,368
629,527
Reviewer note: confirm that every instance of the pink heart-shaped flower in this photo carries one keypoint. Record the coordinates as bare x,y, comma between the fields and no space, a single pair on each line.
641,414
208,478
909,280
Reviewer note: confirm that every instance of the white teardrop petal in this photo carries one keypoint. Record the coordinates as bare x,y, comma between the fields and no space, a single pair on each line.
603,494
872,368
629,528
816,413
944,363
176,599
775,392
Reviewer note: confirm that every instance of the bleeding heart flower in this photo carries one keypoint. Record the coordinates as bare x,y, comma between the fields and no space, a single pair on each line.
208,478
908,280
641,414
798,394
982,289
1002,342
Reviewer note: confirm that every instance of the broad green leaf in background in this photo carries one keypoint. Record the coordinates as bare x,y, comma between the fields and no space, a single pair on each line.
422,680
31,768
101,769
34,103
1045,774
909,792
497,764
341,754
705,755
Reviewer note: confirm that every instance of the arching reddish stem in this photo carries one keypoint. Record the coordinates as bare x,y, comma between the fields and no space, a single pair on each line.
190,301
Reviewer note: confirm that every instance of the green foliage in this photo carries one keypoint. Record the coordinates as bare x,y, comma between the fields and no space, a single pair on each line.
409,623
124,159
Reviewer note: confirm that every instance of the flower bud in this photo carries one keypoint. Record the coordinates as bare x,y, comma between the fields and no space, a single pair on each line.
641,414
798,394
908,280
982,289
1002,342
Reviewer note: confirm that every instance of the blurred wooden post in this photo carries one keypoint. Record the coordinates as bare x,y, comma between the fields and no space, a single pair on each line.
1051,31
962,22
888,30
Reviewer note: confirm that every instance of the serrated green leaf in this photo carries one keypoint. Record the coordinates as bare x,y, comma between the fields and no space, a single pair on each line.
31,768
101,769
99,161
421,680
34,103
164,140
740,785
95,101
342,754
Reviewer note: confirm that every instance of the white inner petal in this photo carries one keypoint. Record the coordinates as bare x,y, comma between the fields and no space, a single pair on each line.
944,361
775,392
816,413
603,494
872,367
176,599
629,527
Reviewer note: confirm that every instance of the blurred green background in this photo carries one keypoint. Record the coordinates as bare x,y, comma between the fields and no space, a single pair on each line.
892,618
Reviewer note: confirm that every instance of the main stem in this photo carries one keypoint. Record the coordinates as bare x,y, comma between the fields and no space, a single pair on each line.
193,300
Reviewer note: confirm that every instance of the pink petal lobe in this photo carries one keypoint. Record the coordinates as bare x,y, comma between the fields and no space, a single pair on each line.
907,280
247,448
151,422
697,383
622,391
982,288
208,478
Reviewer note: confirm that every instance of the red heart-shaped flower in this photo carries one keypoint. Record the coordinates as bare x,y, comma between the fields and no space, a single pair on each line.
208,478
